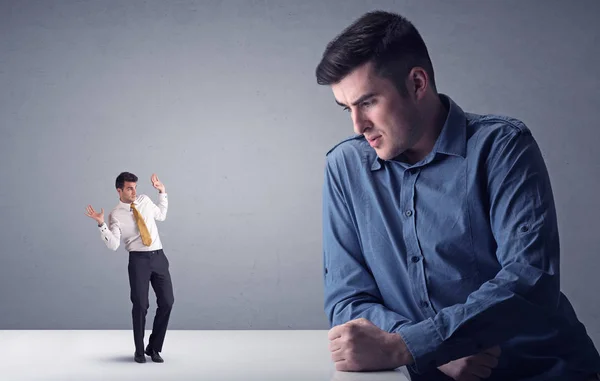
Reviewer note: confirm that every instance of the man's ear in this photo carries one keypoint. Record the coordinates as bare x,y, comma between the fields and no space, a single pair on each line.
418,80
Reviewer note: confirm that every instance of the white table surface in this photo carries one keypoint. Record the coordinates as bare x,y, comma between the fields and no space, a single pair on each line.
54,355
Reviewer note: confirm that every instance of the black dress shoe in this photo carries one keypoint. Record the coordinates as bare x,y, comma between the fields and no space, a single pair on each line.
139,358
154,355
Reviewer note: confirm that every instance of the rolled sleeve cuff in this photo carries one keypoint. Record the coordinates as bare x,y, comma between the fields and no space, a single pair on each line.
422,340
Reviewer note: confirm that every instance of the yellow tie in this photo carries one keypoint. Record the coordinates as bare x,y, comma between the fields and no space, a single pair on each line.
141,226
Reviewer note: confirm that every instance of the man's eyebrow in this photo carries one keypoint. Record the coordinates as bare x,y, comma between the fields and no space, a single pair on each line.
359,100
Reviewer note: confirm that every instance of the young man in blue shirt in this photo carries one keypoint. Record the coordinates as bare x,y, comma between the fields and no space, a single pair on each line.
441,246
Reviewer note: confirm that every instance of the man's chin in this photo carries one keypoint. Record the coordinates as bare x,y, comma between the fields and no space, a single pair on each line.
383,154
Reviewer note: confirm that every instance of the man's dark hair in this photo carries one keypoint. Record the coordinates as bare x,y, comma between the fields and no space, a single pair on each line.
389,40
125,176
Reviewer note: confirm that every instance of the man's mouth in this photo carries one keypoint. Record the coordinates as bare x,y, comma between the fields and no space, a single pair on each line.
374,140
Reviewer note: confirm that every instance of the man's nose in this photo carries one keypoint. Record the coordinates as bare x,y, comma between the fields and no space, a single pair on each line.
361,123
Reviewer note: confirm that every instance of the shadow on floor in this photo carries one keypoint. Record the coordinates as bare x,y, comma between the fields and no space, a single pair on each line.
119,358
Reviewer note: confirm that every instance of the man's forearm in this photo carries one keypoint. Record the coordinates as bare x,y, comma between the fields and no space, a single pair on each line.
501,309
160,210
376,313
110,240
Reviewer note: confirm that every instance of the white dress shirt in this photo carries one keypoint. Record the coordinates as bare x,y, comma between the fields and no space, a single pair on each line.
122,225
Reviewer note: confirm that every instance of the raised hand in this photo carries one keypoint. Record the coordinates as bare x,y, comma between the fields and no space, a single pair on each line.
472,368
99,217
156,183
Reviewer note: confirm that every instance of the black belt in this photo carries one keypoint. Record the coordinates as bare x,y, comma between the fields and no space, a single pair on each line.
146,252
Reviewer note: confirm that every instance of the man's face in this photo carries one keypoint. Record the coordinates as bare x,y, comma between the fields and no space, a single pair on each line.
128,193
389,121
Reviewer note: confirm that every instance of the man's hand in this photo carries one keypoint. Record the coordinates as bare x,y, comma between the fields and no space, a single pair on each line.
359,345
99,217
156,183
472,368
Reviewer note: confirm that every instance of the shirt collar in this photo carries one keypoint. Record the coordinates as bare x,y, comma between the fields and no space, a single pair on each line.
453,136
127,205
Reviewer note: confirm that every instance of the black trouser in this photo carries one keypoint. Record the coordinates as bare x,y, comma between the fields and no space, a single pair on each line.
150,267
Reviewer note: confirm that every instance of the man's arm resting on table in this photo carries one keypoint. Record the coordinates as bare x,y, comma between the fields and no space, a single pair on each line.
351,294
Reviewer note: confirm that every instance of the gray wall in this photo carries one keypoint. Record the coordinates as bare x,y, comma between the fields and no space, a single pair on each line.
219,99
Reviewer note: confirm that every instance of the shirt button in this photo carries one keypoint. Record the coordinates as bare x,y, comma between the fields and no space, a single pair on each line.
425,304
408,213
415,259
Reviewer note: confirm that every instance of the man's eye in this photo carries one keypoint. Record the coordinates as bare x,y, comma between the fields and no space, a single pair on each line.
347,109
367,104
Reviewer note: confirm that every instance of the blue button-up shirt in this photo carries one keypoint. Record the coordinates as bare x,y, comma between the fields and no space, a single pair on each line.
456,253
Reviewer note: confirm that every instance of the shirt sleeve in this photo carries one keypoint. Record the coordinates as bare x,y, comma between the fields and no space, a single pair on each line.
350,290
524,226
111,234
160,210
